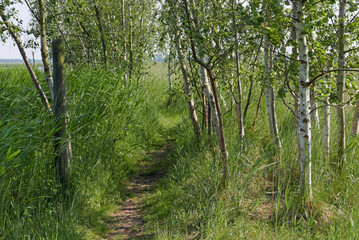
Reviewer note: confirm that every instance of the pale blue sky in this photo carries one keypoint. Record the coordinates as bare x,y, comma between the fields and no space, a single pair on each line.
7,50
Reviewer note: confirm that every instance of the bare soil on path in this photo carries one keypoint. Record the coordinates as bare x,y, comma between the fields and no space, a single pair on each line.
127,223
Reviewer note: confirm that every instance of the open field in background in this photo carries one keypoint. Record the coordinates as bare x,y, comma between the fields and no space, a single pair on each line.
114,125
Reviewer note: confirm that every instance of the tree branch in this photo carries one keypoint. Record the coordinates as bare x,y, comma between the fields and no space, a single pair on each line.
329,71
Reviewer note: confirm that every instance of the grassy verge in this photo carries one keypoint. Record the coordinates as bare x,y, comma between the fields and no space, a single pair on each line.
263,200
112,125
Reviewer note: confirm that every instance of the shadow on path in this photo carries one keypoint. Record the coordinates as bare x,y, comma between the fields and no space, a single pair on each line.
127,222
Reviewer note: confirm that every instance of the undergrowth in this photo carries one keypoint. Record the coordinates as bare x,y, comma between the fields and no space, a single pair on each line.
263,200
112,125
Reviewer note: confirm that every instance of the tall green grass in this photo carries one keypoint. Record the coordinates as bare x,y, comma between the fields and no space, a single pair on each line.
263,200
112,125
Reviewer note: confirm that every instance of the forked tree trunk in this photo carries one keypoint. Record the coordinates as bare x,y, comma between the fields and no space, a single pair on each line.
210,92
341,84
304,96
44,52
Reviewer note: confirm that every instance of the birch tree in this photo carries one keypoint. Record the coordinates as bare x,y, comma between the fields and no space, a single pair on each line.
269,91
186,80
304,102
341,83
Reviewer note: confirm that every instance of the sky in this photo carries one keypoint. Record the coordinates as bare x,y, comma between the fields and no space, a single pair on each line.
7,49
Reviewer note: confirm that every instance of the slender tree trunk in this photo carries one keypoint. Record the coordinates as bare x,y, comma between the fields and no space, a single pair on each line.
293,35
187,84
270,99
130,41
211,95
304,94
90,47
239,84
169,72
62,141
204,109
314,107
66,42
326,122
124,41
220,132
26,60
355,126
44,52
341,84
102,34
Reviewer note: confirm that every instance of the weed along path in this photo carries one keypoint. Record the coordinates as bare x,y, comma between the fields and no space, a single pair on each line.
127,222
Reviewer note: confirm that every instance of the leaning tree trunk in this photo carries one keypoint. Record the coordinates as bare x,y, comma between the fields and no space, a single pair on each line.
44,52
187,85
239,84
26,60
102,34
270,100
304,96
341,84
210,92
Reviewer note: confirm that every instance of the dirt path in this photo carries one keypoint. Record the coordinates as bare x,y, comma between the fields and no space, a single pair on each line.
127,222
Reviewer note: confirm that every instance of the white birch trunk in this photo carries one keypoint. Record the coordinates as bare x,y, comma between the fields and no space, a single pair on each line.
187,85
326,122
341,84
239,107
304,108
270,99
293,35
44,52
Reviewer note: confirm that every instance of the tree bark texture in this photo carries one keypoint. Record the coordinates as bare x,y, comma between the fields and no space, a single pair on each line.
326,122
187,85
62,140
270,99
341,84
304,96
44,52
239,84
